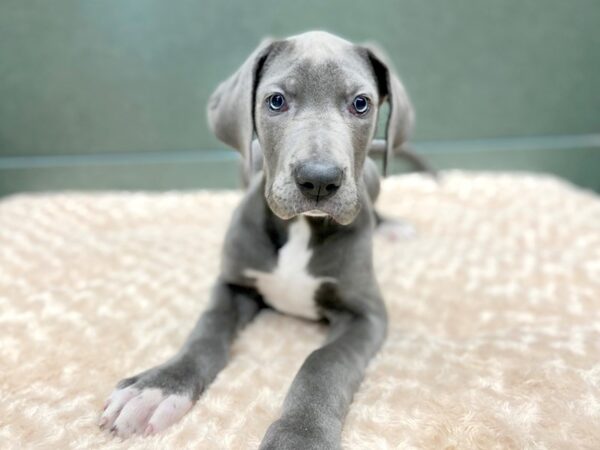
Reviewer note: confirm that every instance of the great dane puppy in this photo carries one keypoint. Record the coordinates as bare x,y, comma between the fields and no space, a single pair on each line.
300,242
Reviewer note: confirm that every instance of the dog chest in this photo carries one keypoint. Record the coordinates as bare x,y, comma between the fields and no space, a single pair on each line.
289,288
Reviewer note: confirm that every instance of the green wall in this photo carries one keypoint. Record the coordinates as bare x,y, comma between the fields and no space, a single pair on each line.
84,79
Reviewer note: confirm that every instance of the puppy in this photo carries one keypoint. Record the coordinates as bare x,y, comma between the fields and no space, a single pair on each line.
300,242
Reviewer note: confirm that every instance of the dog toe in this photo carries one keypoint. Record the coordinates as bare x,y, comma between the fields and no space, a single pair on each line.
170,410
143,411
114,405
134,416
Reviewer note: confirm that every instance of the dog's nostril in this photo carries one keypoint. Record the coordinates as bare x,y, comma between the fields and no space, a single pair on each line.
318,180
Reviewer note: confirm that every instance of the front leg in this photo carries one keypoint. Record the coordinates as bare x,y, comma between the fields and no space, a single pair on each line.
158,397
318,400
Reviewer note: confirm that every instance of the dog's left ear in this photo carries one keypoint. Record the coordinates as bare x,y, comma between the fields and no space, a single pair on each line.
231,106
401,113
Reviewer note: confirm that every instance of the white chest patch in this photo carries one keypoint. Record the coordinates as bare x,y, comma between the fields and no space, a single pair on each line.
289,288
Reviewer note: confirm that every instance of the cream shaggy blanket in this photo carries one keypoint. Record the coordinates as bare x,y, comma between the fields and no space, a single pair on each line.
494,306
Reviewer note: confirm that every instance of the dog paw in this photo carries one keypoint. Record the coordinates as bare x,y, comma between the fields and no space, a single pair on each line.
150,402
132,411
395,230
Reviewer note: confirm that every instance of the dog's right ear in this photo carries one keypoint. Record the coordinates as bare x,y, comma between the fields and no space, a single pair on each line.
231,106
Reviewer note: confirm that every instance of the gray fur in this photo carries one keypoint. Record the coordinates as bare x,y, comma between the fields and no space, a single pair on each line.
319,75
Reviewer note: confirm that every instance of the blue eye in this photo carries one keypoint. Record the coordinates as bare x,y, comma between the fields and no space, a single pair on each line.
276,102
360,104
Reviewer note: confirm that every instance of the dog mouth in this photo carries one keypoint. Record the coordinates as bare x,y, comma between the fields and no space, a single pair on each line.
342,209
315,213
286,200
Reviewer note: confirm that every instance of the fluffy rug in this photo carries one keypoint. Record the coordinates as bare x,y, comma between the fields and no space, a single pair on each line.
494,306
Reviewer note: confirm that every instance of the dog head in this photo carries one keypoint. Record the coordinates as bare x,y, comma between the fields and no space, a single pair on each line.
313,101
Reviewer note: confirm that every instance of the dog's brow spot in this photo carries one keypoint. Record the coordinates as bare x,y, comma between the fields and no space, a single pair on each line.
291,84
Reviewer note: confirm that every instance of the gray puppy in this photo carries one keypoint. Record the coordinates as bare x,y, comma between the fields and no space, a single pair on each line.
300,242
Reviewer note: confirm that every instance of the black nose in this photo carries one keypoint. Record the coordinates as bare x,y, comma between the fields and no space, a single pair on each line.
318,180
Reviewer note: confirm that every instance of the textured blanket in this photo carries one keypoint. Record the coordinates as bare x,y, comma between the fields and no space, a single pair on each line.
494,305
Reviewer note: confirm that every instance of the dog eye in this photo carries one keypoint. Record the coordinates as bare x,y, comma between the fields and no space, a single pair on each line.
276,102
360,104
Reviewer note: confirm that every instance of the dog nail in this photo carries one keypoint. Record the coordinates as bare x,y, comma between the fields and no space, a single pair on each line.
102,423
149,430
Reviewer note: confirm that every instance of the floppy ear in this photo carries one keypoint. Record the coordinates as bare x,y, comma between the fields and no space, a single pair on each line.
401,114
231,106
